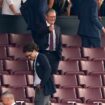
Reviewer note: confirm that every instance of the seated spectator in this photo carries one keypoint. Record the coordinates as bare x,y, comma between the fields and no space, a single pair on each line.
7,98
11,7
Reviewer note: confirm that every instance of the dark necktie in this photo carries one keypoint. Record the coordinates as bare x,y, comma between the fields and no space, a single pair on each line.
51,47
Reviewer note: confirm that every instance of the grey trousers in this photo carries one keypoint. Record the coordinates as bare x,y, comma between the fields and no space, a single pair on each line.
40,98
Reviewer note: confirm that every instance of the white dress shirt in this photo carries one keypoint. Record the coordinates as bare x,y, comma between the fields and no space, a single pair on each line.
54,38
13,103
37,80
5,6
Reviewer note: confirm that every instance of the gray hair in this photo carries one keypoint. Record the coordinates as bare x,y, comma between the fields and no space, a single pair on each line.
50,10
7,94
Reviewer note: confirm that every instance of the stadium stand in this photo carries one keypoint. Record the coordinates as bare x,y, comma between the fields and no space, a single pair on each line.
80,79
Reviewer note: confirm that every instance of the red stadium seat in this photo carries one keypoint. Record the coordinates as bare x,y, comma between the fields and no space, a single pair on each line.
14,80
90,80
4,39
17,66
66,81
3,53
30,80
20,40
94,53
93,67
71,53
69,67
66,95
16,53
30,92
70,40
89,95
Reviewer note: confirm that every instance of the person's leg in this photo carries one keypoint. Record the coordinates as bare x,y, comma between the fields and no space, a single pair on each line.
39,99
47,100
85,42
53,62
95,42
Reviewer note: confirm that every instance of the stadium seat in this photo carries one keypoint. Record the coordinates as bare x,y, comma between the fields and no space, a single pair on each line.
1,67
69,67
3,53
89,95
103,78
30,92
27,103
71,53
66,81
66,95
90,80
70,40
17,66
20,40
92,67
19,93
103,91
96,103
94,53
14,80
29,80
16,53
4,39
61,104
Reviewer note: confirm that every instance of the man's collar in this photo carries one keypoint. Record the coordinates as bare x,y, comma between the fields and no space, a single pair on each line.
47,24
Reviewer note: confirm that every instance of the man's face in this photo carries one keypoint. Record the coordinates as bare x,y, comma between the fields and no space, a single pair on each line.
7,100
99,2
51,18
30,55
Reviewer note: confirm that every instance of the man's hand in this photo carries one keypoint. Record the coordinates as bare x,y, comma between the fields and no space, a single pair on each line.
51,28
38,87
103,29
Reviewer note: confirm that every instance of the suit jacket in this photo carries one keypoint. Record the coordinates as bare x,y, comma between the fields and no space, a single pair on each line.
88,15
43,70
33,12
42,37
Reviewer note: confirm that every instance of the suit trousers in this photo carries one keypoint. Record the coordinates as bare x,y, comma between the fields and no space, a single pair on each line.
40,98
54,62
91,42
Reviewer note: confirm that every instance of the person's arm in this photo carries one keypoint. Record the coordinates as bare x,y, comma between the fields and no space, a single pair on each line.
12,7
51,3
47,69
94,15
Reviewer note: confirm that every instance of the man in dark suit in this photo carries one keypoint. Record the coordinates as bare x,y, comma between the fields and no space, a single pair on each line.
49,40
7,98
43,81
89,26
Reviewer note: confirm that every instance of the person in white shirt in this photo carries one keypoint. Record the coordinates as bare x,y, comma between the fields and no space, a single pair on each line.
11,7
7,98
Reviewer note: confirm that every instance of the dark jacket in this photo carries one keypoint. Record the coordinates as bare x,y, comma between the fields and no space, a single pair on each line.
41,38
43,70
89,22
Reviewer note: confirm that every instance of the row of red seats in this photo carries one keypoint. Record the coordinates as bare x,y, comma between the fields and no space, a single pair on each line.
19,39
65,67
70,53
64,95
61,81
